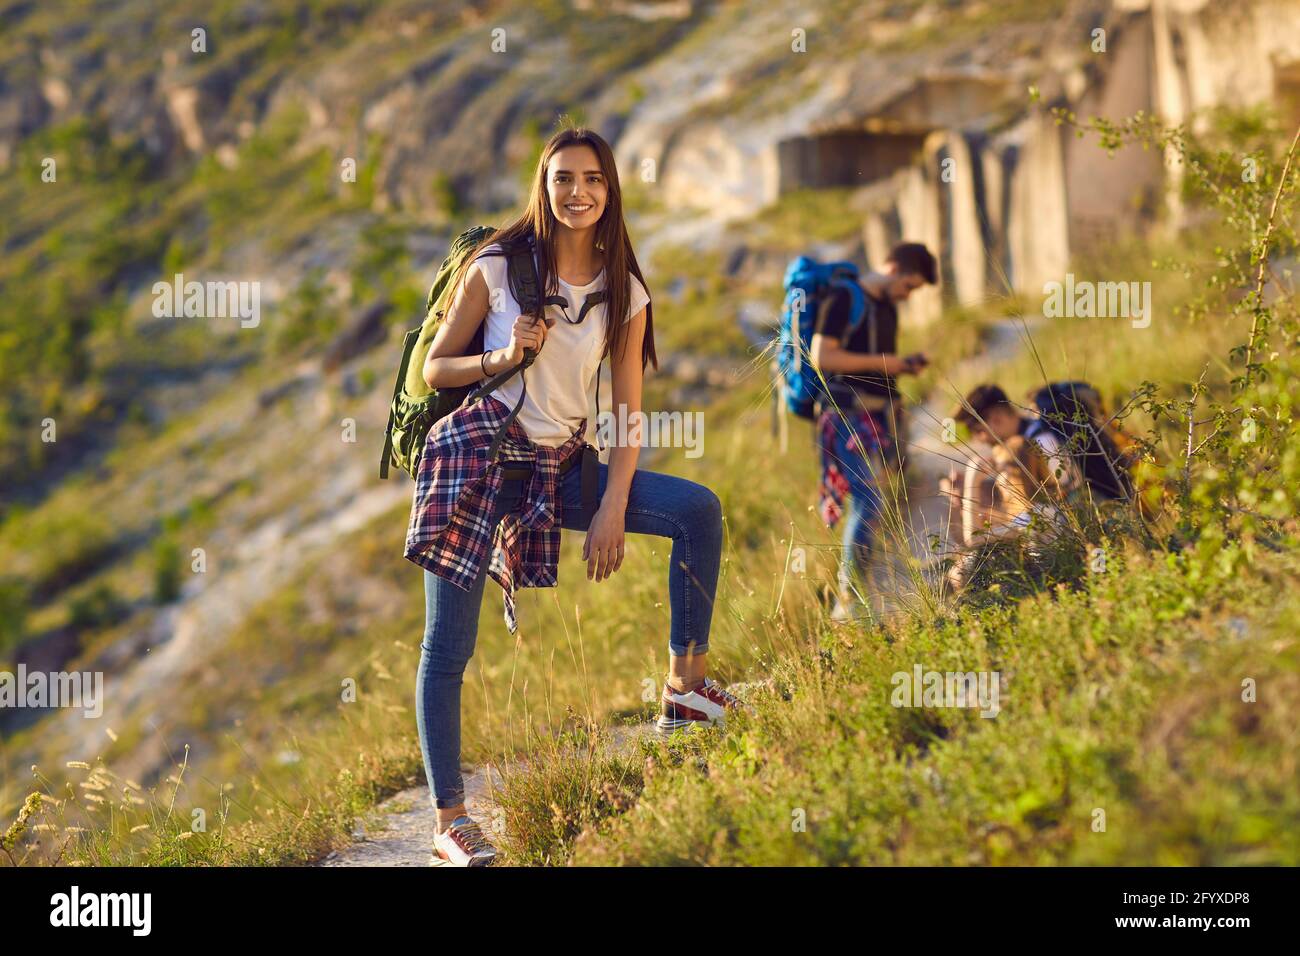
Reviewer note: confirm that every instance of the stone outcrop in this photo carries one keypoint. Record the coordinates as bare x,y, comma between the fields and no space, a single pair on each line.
948,149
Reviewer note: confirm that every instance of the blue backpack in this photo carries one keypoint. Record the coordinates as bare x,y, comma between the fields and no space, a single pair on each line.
806,283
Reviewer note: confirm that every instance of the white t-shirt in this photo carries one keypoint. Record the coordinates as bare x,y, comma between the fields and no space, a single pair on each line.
562,379
1060,463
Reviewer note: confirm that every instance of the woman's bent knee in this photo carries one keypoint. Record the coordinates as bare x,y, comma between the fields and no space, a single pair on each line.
704,508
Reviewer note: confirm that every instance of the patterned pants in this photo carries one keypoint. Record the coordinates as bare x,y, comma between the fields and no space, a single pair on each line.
857,451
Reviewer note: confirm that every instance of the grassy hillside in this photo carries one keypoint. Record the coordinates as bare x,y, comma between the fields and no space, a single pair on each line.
1124,687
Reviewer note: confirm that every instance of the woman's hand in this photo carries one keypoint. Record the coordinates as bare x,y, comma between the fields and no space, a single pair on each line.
526,333
603,549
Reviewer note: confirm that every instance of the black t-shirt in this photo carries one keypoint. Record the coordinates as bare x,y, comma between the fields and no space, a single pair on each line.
877,333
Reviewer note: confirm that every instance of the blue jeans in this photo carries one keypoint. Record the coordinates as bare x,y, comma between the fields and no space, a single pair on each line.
859,533
856,445
688,513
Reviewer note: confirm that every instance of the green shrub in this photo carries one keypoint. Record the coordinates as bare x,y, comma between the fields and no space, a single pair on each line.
13,612
99,607
305,316
445,197
56,551
166,570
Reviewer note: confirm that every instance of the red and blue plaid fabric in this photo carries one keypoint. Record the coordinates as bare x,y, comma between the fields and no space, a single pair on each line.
852,444
456,488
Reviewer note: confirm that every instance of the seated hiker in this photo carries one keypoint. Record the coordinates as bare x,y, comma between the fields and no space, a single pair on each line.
858,424
1011,476
1066,450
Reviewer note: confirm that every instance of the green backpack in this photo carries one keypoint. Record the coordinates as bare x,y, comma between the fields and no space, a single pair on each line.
416,407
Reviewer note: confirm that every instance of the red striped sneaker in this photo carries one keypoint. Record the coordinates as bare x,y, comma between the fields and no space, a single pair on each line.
700,707
463,844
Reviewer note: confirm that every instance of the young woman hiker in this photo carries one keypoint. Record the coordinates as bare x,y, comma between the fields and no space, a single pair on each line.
574,222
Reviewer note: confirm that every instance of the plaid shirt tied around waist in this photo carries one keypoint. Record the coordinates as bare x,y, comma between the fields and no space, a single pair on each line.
456,488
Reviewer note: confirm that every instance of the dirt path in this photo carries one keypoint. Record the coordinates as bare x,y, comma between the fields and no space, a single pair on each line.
399,831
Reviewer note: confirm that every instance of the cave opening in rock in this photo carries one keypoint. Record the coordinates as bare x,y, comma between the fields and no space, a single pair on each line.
845,157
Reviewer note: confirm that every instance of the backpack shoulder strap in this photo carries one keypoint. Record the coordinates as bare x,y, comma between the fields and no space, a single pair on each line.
521,270
858,308
525,286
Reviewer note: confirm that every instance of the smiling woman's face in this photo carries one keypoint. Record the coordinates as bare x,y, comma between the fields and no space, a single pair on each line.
576,186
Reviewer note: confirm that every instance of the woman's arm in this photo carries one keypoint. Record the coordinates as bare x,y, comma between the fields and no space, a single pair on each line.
974,498
603,548
447,365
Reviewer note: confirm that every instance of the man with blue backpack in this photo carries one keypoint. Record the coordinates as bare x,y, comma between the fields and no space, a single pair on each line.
838,367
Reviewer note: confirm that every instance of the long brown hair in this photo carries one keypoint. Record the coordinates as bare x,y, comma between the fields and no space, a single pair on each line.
538,220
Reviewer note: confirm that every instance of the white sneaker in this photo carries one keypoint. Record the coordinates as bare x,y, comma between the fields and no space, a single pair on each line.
463,844
703,706
851,611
